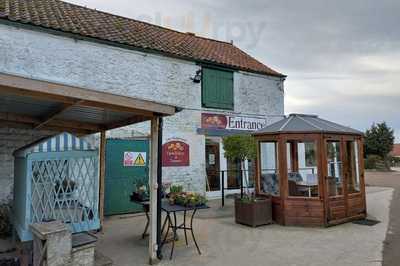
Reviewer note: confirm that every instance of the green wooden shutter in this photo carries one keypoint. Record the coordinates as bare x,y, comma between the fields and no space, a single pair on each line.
217,88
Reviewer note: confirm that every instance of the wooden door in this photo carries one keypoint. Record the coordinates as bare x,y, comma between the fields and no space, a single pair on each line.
344,183
335,180
353,177
213,167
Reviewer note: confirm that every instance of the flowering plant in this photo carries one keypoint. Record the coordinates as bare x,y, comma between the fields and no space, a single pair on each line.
141,191
180,197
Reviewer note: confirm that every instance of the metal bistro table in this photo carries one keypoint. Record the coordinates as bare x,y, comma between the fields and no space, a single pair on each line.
172,210
146,209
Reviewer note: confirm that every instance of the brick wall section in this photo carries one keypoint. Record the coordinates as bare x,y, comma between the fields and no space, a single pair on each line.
95,66
12,139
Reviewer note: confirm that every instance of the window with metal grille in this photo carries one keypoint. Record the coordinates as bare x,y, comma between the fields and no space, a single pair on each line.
217,88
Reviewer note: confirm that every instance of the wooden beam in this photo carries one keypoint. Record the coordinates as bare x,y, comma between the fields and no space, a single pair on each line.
4,90
126,122
68,100
18,118
76,131
31,86
61,124
116,108
63,107
102,168
76,124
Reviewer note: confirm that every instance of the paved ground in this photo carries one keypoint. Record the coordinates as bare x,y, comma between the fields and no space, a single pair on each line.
225,243
391,251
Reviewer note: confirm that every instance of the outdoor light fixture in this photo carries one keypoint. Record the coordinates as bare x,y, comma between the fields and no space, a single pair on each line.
197,77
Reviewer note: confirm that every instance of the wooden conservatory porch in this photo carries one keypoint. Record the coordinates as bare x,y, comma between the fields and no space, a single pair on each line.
313,170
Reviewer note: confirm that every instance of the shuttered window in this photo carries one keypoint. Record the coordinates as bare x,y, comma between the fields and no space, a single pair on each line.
217,88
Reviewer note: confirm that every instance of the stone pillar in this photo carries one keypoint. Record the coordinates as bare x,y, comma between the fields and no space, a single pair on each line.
52,244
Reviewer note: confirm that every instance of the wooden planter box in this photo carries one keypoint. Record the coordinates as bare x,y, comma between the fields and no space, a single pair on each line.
254,213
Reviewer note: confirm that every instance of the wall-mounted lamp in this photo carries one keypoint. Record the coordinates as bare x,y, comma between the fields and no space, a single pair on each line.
197,77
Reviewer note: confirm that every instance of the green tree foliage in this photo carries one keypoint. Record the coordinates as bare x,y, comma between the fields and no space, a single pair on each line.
239,147
379,140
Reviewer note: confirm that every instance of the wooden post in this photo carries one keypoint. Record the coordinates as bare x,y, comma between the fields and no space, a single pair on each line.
360,143
102,176
322,175
153,185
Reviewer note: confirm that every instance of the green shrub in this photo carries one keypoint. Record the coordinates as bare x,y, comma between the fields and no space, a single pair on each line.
376,162
175,189
395,161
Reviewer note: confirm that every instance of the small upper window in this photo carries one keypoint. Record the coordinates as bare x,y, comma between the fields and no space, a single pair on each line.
217,88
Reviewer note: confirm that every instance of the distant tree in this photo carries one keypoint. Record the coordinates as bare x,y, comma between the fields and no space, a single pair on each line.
379,140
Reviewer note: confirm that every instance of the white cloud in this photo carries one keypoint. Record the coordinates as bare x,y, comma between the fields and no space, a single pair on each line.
341,57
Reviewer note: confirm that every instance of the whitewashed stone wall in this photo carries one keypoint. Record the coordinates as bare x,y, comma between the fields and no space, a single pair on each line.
12,139
120,71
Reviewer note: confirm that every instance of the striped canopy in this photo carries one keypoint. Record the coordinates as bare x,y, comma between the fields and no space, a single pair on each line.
61,142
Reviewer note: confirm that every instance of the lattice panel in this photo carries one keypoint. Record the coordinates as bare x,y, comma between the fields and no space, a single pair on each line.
65,189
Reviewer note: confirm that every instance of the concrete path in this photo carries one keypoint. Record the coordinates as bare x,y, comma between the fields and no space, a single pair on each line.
225,243
391,251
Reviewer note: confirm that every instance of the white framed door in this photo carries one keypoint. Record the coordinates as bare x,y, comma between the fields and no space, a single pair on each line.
228,172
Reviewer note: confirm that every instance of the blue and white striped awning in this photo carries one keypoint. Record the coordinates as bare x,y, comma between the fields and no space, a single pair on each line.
61,142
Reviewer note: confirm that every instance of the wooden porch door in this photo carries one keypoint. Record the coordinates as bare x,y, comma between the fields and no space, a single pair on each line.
353,174
213,167
334,180
343,179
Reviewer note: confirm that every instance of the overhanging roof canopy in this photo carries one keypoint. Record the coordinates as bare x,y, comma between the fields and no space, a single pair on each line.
43,105
301,123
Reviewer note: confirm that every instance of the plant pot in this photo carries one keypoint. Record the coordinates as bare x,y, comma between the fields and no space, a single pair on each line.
139,197
253,213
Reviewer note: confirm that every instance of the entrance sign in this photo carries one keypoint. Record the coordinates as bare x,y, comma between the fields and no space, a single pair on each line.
232,122
134,158
175,153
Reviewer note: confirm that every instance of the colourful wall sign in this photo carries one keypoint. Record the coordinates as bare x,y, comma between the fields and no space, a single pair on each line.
134,158
220,121
175,153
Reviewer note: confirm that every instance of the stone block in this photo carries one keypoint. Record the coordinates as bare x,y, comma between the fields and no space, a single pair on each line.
54,241
83,255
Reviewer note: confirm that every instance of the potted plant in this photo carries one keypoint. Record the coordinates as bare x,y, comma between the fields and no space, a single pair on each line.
178,196
190,199
174,190
250,209
141,191
253,210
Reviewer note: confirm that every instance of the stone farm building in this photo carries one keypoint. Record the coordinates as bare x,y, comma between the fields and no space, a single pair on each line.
219,89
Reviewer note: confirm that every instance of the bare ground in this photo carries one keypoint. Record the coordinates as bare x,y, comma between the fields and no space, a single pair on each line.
391,250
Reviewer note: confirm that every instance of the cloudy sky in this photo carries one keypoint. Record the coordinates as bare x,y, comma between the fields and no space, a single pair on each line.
342,57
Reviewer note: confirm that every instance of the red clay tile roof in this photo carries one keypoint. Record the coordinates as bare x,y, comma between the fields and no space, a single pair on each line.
70,18
396,150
